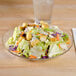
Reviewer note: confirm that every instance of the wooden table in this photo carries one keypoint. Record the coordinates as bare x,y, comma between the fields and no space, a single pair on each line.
15,12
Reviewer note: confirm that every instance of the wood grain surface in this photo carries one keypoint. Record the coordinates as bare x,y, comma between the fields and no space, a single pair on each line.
15,12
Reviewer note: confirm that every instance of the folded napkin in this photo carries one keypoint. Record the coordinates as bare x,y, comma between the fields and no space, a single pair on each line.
74,35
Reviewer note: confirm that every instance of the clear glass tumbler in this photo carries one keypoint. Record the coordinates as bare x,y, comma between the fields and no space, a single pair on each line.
43,10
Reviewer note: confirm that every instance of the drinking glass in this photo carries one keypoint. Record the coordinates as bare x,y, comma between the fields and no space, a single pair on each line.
43,10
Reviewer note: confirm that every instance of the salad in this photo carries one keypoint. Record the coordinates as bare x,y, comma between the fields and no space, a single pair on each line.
35,41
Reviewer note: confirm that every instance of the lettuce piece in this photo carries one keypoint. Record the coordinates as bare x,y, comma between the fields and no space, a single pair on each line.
30,28
37,51
25,54
64,46
66,37
43,45
57,54
37,36
48,29
10,42
56,29
35,31
54,50
59,42
23,45
16,33
48,42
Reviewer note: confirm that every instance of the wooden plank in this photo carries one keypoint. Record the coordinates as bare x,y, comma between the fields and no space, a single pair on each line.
61,12
39,71
15,2
64,2
16,12
24,2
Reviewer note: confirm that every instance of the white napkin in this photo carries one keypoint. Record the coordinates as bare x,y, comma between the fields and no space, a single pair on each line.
74,35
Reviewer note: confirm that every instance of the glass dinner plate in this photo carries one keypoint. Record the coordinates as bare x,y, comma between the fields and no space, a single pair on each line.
10,32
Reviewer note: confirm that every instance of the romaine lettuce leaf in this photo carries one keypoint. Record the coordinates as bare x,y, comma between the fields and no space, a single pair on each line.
54,50
56,29
16,33
35,31
66,37
43,45
37,51
23,45
10,42
48,29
